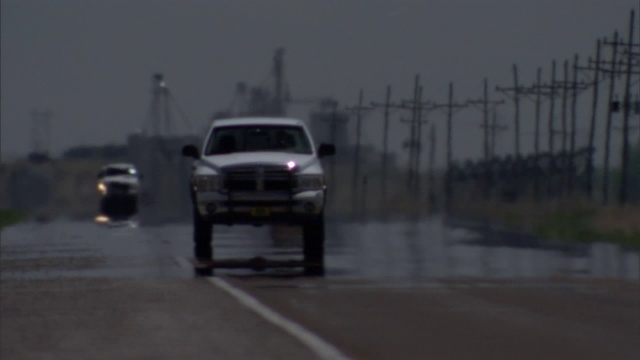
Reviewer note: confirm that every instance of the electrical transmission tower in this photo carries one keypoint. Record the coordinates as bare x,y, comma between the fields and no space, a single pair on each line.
160,119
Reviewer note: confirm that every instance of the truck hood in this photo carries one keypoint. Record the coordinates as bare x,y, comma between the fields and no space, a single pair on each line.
304,162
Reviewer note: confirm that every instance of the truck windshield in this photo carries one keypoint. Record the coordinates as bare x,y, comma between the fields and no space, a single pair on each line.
229,139
116,172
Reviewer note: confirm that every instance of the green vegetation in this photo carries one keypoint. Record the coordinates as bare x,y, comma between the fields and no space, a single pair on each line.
584,225
569,220
9,217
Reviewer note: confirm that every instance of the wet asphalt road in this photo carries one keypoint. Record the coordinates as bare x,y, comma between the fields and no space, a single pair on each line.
398,251
397,289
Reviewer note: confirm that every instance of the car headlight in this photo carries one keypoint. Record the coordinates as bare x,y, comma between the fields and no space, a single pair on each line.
207,183
102,188
310,182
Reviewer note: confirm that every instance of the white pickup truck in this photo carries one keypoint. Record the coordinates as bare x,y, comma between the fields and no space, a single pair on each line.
259,170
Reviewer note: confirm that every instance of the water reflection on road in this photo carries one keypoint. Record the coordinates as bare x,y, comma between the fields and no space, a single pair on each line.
393,250
431,249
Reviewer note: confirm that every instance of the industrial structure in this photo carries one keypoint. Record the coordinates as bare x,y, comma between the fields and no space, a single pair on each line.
156,153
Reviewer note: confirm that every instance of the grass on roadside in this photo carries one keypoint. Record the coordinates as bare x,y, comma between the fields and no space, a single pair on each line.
10,217
567,220
590,224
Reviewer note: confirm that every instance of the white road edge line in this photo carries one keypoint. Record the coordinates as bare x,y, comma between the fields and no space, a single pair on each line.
322,348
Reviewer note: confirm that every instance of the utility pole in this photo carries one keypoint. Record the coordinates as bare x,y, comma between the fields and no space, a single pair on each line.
565,91
432,158
550,91
516,90
485,120
450,107
415,137
537,91
572,139
622,199
410,144
536,137
594,114
494,127
619,68
385,147
486,104
569,125
328,113
385,144
418,149
607,146
552,96
412,133
415,141
356,166
517,116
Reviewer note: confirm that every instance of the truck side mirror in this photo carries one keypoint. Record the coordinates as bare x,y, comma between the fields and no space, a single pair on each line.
190,151
326,150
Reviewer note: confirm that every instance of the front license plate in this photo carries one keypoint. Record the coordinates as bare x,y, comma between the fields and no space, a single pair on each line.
260,211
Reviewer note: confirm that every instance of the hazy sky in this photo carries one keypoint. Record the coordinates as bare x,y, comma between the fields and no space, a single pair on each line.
90,62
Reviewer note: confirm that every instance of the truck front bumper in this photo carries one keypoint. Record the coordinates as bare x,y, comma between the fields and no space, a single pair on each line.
261,208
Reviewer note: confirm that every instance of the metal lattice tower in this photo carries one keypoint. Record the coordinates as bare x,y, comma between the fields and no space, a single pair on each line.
160,118
159,114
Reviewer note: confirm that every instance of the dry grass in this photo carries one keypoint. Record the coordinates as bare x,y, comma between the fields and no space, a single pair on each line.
568,219
626,219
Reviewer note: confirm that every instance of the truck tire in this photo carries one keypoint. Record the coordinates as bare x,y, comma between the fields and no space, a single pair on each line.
313,247
202,238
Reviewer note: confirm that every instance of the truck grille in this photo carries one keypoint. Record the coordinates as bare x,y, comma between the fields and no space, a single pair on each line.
118,189
258,179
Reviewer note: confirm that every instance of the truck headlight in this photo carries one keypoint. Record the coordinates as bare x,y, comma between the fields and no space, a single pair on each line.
207,183
310,182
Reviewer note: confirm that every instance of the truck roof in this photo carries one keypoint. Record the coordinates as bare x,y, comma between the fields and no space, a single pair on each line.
258,121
